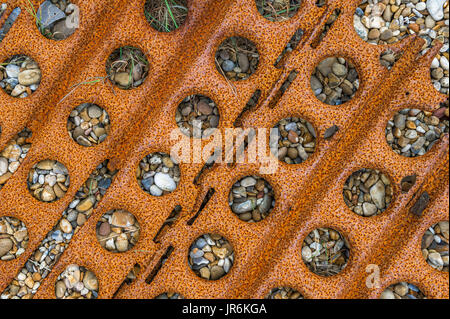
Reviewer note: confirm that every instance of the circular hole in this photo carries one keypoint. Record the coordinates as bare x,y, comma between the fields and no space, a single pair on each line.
127,67
381,23
284,293
169,295
251,198
118,231
166,16
297,140
334,81
278,10
20,76
412,132
237,58
13,238
439,73
76,282
158,174
88,124
388,58
211,256
435,246
325,251
57,19
48,180
368,192
13,155
197,116
402,290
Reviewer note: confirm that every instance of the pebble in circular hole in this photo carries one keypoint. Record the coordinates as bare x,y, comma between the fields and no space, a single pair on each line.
118,231
76,282
334,81
389,57
13,238
251,198
48,180
297,140
20,76
439,71
197,116
325,251
158,174
88,124
169,295
57,19
284,293
278,10
402,290
412,132
435,246
237,58
166,16
379,22
211,256
368,192
13,155
127,67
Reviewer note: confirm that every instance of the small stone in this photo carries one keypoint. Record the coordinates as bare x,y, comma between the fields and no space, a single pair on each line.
86,204
65,226
228,65
121,218
217,272
205,273
104,229
94,111
377,192
123,79
387,294
248,182
90,281
29,77
165,182
5,246
60,289
369,209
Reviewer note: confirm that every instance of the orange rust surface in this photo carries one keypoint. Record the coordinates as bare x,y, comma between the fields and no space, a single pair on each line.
308,195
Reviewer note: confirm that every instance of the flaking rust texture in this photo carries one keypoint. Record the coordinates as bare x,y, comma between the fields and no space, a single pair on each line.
308,195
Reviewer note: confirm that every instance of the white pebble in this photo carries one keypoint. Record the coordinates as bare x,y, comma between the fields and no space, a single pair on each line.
165,182
444,63
435,63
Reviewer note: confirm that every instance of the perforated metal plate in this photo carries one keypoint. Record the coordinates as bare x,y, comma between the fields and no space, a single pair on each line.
308,195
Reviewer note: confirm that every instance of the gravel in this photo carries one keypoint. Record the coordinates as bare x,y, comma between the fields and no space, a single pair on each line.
402,290
368,192
251,198
20,76
237,58
13,238
197,116
334,81
158,174
297,140
118,231
214,259
48,180
435,246
284,293
325,252
412,132
88,124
